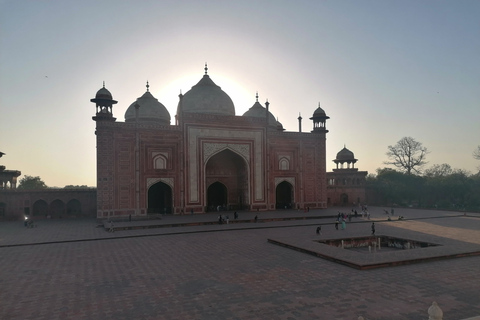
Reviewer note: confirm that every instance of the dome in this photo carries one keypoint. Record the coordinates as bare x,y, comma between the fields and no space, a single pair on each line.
345,154
258,111
207,97
319,112
150,109
103,94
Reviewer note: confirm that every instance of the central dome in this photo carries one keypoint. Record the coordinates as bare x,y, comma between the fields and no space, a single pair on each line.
207,97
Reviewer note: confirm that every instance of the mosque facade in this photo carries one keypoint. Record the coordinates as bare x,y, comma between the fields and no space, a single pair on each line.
206,158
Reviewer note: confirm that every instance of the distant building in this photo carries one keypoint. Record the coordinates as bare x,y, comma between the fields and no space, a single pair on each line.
346,185
8,178
15,204
209,159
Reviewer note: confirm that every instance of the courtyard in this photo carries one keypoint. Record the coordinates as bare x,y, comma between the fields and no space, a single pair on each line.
75,269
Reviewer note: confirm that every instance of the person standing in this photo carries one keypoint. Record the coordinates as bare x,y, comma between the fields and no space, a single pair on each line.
373,228
336,225
319,230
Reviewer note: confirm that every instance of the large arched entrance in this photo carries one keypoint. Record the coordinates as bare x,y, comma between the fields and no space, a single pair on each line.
226,181
160,198
284,195
217,196
344,199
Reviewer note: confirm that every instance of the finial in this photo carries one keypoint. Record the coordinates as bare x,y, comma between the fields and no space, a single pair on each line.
104,84
267,103
148,86
206,69
256,96
319,104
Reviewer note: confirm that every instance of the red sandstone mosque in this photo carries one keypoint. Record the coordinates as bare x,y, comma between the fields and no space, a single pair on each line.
208,159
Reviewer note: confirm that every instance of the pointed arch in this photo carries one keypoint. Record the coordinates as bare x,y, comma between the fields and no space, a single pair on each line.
160,198
40,208
229,168
284,195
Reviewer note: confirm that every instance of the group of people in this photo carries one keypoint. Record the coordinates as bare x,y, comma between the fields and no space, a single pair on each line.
225,218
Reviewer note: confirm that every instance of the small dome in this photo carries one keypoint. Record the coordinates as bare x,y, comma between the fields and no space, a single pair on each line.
345,154
258,111
149,109
207,97
103,94
319,112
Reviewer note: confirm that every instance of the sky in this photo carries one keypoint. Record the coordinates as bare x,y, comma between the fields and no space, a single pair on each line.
381,70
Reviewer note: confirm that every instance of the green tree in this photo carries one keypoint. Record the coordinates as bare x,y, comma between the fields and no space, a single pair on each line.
439,170
31,183
408,155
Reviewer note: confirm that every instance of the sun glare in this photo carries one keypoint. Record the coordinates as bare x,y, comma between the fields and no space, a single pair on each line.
168,95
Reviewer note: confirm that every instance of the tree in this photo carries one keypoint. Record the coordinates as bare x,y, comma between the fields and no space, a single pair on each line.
70,186
31,183
439,170
408,155
476,153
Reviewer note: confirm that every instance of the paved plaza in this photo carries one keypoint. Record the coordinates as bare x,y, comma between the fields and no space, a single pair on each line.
74,269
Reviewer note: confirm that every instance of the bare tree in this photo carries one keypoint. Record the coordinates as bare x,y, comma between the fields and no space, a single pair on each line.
408,155
476,153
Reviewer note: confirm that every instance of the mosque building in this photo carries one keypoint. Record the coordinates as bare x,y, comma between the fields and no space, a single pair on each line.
208,159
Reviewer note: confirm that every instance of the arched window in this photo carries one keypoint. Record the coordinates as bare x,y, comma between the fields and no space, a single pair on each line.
160,162
283,164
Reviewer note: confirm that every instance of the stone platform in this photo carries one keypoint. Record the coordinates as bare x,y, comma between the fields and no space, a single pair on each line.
74,269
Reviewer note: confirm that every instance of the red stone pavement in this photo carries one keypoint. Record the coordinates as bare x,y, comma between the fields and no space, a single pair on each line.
72,269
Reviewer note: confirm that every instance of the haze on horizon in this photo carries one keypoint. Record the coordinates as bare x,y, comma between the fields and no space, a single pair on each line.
382,70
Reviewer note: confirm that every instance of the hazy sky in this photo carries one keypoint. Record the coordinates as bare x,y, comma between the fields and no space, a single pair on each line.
382,70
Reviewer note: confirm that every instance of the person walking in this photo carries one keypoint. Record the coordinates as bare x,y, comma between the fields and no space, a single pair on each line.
336,225
319,230
373,228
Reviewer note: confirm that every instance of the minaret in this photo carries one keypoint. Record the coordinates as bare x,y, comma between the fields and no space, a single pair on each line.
104,103
319,118
105,154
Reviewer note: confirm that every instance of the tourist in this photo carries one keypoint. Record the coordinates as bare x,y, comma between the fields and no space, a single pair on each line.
319,230
373,228
336,225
